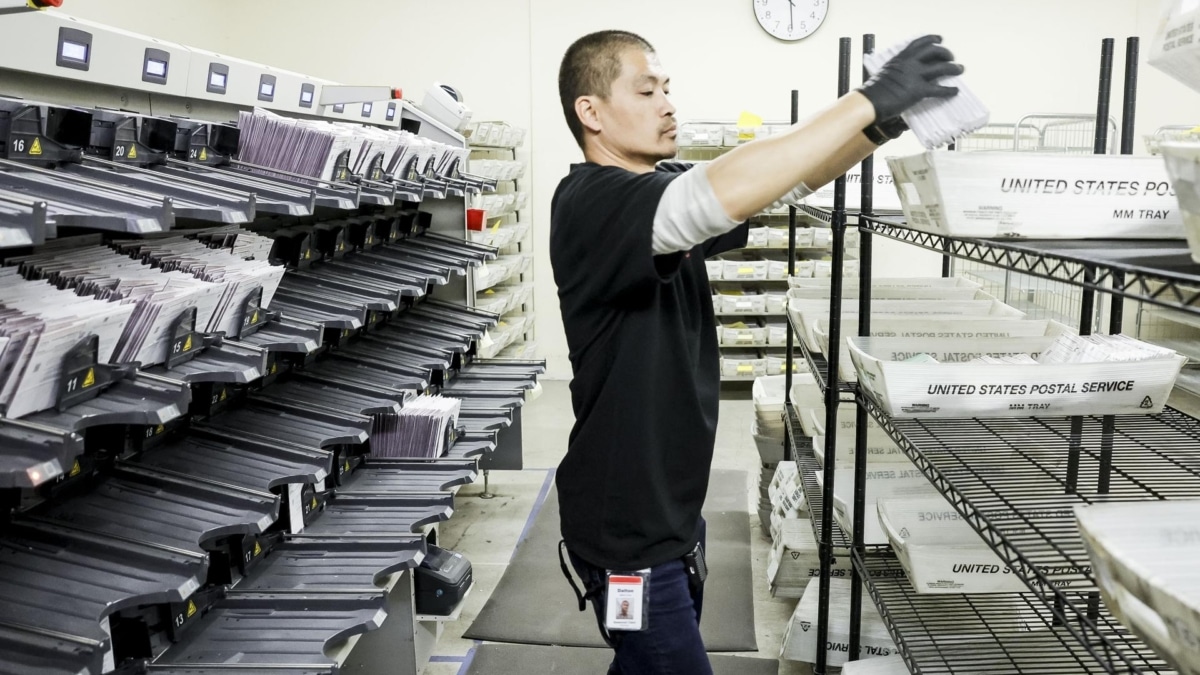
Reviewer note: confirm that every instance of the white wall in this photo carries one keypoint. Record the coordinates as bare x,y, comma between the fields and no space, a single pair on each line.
1022,56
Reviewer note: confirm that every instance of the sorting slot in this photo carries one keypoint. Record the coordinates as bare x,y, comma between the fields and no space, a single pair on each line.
244,463
283,629
57,580
391,476
331,564
138,504
267,420
374,516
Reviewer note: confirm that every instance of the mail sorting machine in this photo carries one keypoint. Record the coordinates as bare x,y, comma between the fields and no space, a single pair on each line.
223,511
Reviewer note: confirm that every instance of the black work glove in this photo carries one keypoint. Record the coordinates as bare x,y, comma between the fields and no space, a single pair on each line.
887,130
911,77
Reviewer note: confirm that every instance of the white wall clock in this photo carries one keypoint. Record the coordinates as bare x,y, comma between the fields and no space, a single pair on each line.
791,20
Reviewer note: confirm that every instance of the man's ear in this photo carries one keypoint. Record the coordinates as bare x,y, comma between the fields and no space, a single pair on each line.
589,114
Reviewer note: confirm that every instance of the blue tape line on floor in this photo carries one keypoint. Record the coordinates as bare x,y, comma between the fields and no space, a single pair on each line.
537,507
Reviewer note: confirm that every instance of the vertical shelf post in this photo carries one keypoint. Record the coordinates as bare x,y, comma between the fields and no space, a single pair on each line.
832,395
861,417
790,358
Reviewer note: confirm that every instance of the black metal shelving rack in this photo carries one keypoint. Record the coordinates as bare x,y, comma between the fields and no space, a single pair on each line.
988,469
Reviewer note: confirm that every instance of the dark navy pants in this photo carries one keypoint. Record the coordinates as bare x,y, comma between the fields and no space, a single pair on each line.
671,644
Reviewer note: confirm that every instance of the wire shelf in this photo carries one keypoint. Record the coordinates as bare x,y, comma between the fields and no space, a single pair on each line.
993,633
806,464
1016,481
1152,271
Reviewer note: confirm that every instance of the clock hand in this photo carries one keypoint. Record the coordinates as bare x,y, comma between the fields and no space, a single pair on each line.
791,15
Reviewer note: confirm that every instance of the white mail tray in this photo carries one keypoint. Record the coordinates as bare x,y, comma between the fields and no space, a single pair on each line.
1145,562
900,482
962,389
922,331
806,313
890,282
1183,164
894,293
1037,195
940,551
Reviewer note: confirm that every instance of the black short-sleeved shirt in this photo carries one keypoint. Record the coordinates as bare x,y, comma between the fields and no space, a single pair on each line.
643,348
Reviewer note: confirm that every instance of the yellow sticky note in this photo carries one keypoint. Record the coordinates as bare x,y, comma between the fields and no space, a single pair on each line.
747,120
745,369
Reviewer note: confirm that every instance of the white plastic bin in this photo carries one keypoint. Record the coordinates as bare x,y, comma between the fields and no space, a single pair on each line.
777,270
882,482
1037,195
736,333
776,301
715,269
742,363
743,269
960,389
759,237
777,330
892,293
734,301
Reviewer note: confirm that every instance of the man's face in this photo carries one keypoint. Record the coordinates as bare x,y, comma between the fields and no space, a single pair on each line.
637,120
625,606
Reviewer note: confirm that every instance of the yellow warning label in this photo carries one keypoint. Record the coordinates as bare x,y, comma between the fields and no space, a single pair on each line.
203,154
345,332
307,254
76,470
347,465
224,394
90,378
159,429
314,502
191,609
254,317
274,368
187,344
341,246
257,548
35,148
133,152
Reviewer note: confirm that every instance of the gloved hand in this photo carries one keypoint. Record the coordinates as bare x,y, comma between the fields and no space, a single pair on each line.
911,77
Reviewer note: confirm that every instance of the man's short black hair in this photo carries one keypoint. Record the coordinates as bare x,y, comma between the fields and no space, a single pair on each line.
589,68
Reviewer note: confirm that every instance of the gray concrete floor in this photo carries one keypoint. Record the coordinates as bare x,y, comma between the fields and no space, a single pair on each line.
487,530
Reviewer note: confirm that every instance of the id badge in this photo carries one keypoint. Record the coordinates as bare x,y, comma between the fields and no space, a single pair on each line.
626,606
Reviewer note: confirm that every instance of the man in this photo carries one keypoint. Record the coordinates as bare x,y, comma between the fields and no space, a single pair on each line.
628,241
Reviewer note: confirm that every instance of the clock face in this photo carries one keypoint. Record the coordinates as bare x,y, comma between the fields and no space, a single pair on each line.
791,19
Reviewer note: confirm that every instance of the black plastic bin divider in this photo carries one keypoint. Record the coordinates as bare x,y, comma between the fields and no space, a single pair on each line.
488,401
277,628
392,475
328,313
329,564
372,275
427,356
455,341
33,454
378,261
64,581
143,505
375,516
472,446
